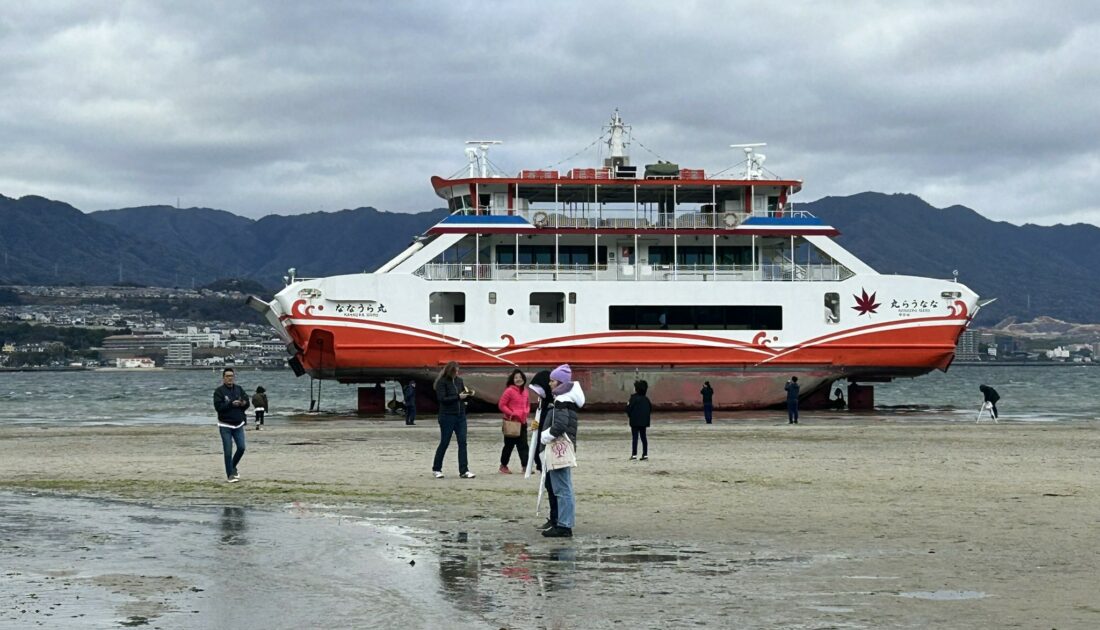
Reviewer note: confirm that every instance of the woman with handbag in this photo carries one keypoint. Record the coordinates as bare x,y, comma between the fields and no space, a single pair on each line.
515,406
559,454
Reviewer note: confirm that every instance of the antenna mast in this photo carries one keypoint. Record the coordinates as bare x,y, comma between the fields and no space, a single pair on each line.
477,154
754,162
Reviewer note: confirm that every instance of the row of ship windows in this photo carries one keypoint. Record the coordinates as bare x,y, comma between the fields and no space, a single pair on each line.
657,255
549,308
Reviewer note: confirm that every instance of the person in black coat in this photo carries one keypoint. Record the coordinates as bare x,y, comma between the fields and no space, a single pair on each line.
410,402
792,400
708,400
991,396
638,410
540,385
451,393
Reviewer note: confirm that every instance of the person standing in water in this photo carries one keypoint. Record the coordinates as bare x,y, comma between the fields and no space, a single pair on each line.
792,400
990,396
230,401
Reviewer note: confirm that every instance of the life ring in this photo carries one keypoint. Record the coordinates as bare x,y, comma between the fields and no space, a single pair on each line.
541,218
731,220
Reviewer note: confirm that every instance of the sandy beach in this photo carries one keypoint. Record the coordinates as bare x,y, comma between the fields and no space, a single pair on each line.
862,522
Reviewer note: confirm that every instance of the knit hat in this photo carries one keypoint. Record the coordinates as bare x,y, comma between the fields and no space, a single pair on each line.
563,374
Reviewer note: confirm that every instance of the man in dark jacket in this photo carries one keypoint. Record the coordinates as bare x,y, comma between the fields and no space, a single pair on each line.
230,401
639,410
792,400
991,396
708,400
410,403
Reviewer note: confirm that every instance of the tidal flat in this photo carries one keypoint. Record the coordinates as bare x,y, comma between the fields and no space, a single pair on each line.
869,521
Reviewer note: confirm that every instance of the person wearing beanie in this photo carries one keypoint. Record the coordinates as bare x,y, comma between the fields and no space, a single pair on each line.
639,410
540,386
568,399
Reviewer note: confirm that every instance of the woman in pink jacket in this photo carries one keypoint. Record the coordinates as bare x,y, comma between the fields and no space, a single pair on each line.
515,406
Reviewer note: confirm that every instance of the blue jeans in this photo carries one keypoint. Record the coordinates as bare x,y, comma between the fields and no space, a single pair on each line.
792,410
708,409
410,415
228,437
562,481
448,424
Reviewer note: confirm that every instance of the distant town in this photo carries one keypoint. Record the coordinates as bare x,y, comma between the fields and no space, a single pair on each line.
127,327
108,327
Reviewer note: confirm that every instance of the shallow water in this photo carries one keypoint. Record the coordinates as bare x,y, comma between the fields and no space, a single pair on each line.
85,563
1038,393
82,563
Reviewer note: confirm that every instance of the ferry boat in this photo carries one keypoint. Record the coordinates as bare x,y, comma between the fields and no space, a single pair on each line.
655,272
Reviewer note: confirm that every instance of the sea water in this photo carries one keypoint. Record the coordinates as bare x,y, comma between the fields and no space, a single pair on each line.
1039,393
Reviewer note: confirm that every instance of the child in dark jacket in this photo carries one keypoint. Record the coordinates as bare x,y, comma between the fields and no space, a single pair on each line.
638,410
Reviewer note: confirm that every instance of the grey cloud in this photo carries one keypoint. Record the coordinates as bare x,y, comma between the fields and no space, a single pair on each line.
284,107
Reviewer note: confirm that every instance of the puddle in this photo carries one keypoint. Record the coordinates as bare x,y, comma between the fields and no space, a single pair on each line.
943,596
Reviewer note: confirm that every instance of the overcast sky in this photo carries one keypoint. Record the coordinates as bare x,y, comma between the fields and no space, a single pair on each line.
261,107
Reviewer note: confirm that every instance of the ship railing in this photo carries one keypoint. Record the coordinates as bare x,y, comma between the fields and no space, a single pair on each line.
782,272
655,221
627,219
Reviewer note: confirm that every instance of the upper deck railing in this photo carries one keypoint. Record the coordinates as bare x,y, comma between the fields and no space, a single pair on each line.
659,220
624,272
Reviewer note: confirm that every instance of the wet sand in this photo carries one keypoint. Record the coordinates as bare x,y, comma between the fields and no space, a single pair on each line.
856,522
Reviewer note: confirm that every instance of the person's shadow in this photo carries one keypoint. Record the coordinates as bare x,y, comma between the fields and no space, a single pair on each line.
233,526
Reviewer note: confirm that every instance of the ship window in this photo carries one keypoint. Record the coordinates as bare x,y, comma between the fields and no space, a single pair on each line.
544,255
548,308
832,308
492,297
700,255
447,307
702,317
572,298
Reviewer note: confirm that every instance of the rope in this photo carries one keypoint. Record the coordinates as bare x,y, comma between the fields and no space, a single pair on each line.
639,143
560,162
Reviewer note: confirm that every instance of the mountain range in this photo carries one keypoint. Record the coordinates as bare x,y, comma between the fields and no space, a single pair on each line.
1032,270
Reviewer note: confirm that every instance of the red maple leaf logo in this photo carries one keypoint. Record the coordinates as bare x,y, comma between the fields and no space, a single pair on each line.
866,304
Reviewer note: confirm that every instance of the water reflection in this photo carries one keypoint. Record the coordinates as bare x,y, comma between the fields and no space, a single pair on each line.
460,570
233,526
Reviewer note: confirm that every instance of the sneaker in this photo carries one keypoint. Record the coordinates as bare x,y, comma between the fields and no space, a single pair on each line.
645,457
438,474
233,480
633,457
467,475
545,526
504,470
558,532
